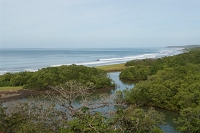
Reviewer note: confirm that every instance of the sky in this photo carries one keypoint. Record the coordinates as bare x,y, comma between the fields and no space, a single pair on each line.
98,23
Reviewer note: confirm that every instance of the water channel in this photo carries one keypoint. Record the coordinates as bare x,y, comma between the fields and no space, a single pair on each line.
169,126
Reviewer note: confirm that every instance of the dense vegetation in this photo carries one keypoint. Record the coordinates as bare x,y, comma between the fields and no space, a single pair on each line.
137,72
57,114
143,62
172,83
138,69
52,76
139,120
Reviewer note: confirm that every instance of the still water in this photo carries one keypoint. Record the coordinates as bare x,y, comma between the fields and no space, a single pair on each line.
169,126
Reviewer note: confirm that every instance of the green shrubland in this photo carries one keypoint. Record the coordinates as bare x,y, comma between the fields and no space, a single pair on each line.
45,78
56,113
172,83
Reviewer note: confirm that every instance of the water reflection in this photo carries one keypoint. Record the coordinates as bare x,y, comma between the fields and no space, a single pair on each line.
170,126
120,85
128,82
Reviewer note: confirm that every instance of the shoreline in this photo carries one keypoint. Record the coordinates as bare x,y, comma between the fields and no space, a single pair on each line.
6,96
18,93
13,94
154,52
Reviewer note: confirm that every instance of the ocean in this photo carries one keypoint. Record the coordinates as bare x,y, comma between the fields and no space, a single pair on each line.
16,60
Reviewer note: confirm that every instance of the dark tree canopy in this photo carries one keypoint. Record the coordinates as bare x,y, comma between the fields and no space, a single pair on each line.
172,83
52,76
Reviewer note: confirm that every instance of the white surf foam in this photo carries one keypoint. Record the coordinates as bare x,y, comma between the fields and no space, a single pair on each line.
108,61
3,72
31,70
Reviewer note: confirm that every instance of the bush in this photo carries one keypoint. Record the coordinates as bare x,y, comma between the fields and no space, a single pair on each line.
53,76
135,73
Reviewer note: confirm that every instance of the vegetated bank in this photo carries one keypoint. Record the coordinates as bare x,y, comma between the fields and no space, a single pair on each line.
38,117
64,117
172,83
45,78
129,120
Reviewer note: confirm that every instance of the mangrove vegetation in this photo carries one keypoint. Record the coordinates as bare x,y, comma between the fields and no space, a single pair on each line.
45,78
172,83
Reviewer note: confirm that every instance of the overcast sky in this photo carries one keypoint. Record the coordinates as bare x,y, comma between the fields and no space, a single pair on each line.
98,23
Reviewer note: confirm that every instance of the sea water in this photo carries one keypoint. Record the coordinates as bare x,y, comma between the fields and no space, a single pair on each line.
17,60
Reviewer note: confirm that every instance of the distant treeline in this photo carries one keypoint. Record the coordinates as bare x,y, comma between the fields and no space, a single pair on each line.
141,69
53,76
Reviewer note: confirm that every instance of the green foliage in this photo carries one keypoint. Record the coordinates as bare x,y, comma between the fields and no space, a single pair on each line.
5,79
29,117
143,62
31,127
135,73
53,76
10,123
173,89
88,123
174,85
128,121
140,71
24,119
138,120
146,67
58,114
190,120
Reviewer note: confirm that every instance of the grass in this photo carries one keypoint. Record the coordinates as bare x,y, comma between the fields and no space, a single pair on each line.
11,88
112,68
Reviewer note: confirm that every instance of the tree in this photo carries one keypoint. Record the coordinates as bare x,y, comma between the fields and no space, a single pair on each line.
73,90
190,120
134,119
58,110
88,123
